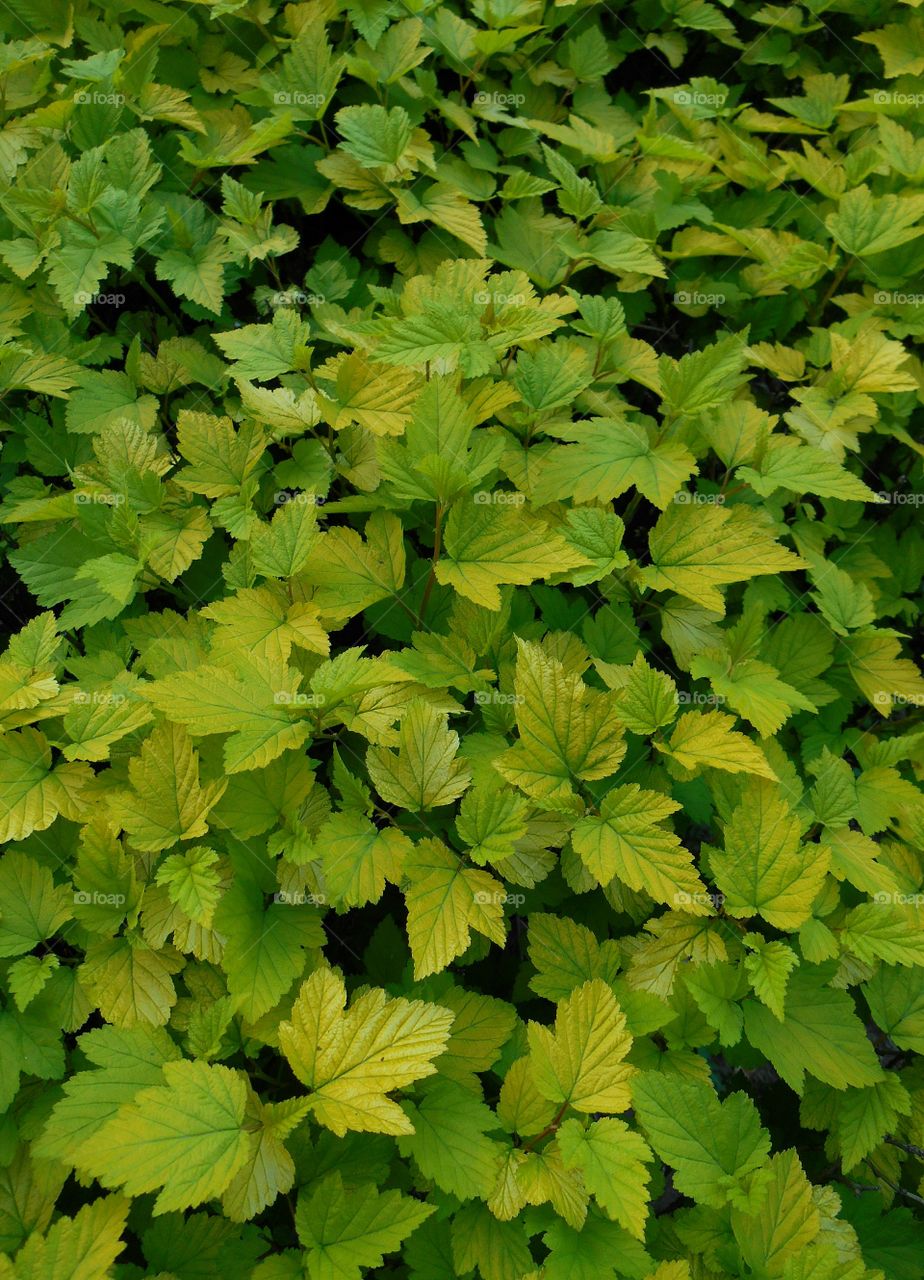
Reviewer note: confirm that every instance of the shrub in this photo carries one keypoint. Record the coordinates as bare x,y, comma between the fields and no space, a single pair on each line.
461,745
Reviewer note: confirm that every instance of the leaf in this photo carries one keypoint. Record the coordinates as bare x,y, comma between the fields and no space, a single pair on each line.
76,1248
566,955
765,869
896,1001
612,1158
580,1062
697,549
424,772
704,378
373,135
647,698
358,858
167,803
131,981
220,459
865,224
32,907
192,883
344,1230
27,978
487,547
900,45
769,966
820,1034
269,1170
264,955
256,705
184,1139
351,1060
34,792
445,900
711,1145
627,842
707,739
126,1061
753,689
449,1144
566,730
378,400
607,458
789,1219
491,821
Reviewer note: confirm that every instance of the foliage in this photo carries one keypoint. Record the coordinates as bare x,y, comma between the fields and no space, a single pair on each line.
461,749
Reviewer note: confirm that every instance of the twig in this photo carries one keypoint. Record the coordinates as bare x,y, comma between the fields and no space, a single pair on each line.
431,577
547,1131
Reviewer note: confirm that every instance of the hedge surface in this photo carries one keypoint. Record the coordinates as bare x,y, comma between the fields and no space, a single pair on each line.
461,749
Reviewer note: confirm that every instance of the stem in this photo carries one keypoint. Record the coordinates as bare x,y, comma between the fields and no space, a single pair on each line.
631,510
893,1187
547,1131
155,297
907,1146
83,222
831,291
431,577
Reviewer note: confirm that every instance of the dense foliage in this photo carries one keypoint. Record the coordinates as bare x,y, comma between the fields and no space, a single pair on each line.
461,750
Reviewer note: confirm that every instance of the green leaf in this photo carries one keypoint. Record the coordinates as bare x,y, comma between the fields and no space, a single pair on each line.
711,1145
184,1139
607,458
697,549
765,869
424,773
819,1034
612,1158
167,802
32,907
487,546
351,1060
627,842
580,1062
344,1230
449,1144
445,900
257,705
566,730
